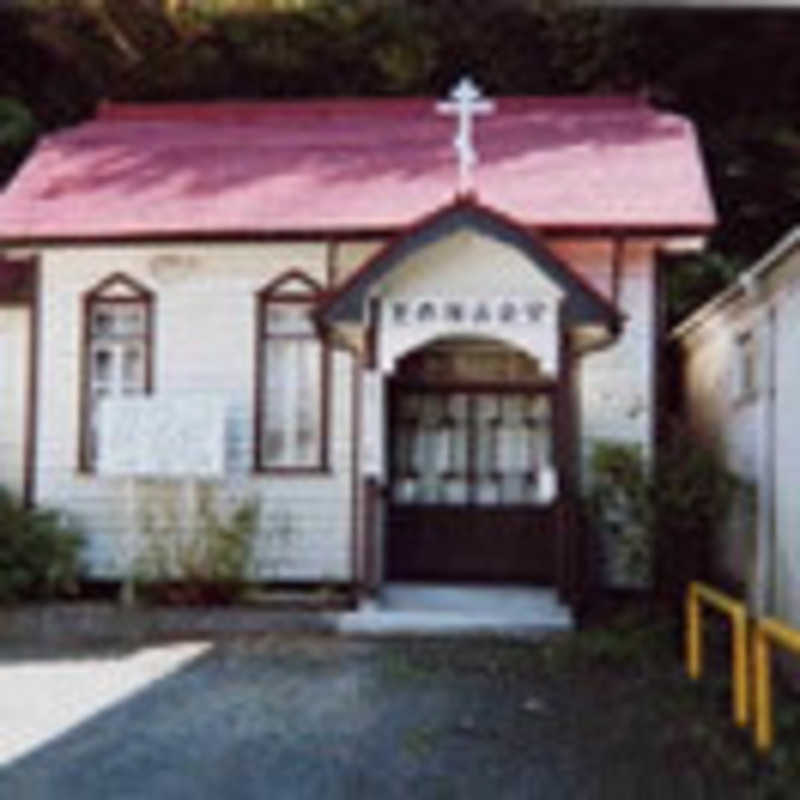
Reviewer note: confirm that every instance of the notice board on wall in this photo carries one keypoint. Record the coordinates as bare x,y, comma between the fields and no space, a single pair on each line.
153,436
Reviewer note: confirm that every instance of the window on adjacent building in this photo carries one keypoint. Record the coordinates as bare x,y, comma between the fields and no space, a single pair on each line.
117,352
746,367
292,375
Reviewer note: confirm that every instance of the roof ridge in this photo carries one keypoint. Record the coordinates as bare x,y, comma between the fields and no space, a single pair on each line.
252,110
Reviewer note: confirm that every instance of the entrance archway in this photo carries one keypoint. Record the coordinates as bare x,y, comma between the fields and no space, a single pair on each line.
473,489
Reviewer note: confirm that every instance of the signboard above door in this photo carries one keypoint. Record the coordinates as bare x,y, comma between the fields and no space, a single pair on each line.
528,323
468,312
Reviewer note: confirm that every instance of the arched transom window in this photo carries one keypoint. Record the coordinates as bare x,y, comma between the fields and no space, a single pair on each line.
472,424
292,374
117,357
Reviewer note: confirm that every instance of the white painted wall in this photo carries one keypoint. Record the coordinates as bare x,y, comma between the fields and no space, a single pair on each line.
617,384
204,342
14,333
470,266
726,423
786,596
350,256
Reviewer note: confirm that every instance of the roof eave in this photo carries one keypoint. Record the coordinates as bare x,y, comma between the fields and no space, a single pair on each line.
741,285
545,229
339,303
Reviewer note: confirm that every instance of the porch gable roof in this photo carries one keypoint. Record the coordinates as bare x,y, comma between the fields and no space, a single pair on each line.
582,303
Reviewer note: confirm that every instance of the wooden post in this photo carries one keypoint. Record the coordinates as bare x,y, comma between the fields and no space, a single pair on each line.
568,575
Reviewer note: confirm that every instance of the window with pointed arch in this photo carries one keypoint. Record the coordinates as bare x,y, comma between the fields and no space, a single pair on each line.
292,376
117,352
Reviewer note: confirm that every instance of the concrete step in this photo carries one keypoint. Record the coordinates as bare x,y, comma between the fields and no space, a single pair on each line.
469,597
464,609
417,623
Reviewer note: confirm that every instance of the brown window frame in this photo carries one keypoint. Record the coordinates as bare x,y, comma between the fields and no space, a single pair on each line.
140,295
272,294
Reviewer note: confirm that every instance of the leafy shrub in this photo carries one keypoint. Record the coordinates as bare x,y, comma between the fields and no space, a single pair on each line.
621,504
664,516
39,557
17,131
692,497
207,562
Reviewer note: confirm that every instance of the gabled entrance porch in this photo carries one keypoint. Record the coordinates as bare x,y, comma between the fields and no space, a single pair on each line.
469,330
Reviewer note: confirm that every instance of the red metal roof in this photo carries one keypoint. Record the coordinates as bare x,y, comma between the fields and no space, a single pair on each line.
341,165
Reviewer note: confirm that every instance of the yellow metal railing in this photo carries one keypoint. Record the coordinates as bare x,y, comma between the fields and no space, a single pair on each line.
697,594
766,632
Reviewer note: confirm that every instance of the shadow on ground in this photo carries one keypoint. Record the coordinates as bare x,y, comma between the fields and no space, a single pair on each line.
311,717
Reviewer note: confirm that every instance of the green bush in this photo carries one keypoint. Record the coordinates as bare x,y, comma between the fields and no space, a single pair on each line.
664,515
204,561
692,498
621,507
17,131
39,557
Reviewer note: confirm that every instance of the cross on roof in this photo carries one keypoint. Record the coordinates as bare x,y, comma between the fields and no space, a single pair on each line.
466,101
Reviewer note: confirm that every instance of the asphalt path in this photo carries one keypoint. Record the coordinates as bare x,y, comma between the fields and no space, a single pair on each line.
323,717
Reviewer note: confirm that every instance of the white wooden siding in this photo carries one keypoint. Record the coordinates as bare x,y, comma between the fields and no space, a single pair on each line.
204,342
723,422
787,456
617,383
14,333
741,431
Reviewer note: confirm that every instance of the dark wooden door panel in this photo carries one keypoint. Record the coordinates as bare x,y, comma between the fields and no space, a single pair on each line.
471,543
471,437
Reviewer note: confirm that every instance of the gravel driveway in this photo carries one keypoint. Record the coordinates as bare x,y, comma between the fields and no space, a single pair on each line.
315,717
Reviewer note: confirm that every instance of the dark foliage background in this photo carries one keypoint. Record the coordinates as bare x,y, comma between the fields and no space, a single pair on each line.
735,73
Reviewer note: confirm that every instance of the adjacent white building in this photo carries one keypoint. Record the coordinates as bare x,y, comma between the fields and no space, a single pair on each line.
742,395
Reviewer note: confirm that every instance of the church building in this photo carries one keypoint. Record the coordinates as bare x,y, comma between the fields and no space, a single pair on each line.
402,351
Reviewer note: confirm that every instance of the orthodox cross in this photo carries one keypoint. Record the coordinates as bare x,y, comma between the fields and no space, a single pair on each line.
466,101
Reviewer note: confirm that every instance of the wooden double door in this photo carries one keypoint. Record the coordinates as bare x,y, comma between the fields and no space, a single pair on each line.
469,467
